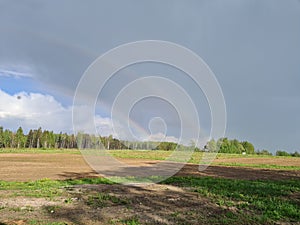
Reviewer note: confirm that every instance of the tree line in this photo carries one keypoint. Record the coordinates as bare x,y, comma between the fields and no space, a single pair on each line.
224,145
38,138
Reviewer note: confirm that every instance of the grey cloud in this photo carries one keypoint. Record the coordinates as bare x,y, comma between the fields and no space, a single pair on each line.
252,46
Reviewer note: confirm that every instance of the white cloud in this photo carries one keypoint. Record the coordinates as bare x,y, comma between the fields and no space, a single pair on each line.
10,72
160,137
104,126
33,110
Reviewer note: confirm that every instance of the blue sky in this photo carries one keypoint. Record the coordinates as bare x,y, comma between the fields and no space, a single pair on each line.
16,85
252,47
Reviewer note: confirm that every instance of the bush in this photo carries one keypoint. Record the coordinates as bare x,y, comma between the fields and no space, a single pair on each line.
295,154
263,152
282,153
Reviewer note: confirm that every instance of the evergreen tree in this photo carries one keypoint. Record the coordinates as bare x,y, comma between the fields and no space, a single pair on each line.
30,139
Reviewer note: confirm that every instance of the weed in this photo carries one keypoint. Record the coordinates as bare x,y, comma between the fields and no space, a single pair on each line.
38,222
268,199
131,221
68,200
52,208
175,214
101,200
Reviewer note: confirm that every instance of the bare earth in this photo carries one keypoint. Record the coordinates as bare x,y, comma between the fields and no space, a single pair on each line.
152,204
25,167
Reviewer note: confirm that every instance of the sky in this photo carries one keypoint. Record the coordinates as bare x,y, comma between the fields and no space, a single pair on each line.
252,47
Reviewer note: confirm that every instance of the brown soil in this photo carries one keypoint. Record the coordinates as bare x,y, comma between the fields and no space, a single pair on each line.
25,167
152,204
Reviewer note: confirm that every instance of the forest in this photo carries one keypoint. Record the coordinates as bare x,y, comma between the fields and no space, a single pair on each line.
45,139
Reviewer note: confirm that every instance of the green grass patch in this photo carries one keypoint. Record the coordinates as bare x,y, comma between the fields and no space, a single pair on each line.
136,180
141,154
261,166
269,200
46,188
41,188
39,222
247,202
197,156
131,221
101,200
39,151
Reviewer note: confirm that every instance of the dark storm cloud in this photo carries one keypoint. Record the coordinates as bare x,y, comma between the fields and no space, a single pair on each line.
252,46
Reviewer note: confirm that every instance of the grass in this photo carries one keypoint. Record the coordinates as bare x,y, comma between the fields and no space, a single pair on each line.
136,154
38,222
130,221
128,154
268,200
101,200
140,154
46,188
39,151
261,166
197,156
41,188
162,155
246,202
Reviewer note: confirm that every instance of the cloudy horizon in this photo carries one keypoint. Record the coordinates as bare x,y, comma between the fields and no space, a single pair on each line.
252,47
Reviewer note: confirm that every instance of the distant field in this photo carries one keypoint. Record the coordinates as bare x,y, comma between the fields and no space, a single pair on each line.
257,161
235,160
34,150
56,187
23,165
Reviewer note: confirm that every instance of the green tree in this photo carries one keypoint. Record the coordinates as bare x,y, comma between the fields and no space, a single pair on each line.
20,138
295,154
224,145
109,141
38,137
8,137
30,139
263,152
167,146
211,146
249,148
236,147
282,153
1,138
51,139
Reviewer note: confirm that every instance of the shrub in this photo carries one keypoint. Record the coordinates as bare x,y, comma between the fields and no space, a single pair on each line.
282,153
